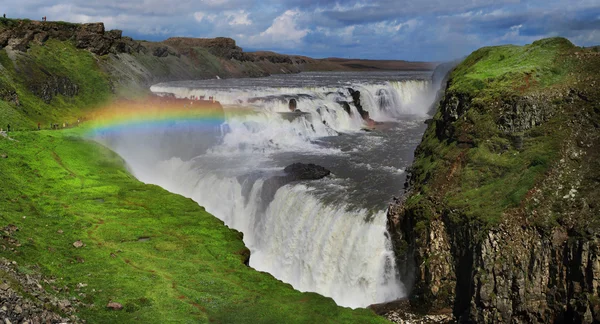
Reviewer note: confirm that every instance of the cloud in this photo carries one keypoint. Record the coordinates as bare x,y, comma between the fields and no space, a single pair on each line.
238,18
283,33
390,29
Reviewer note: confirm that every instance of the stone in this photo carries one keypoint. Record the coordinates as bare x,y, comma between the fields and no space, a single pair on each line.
114,306
301,171
78,244
293,104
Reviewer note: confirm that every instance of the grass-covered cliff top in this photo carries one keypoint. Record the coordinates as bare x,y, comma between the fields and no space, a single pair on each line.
515,137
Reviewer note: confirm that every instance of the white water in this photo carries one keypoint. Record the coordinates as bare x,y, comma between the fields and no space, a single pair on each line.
298,239
315,244
267,131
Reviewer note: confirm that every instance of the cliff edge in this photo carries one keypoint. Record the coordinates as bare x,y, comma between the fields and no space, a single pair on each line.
501,222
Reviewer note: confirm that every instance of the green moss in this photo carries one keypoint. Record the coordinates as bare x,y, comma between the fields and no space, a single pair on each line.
190,270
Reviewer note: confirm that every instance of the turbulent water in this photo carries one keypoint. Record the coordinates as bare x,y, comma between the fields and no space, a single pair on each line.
327,236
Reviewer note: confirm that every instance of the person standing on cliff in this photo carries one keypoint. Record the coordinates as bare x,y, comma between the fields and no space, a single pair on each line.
39,126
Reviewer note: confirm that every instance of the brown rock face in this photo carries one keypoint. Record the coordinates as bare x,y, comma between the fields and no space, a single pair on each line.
91,36
221,46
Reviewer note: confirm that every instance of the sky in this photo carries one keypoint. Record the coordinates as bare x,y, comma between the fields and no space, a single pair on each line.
417,30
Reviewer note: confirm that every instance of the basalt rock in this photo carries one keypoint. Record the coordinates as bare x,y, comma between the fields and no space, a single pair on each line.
293,172
538,261
52,86
92,36
221,46
301,171
9,94
293,104
356,100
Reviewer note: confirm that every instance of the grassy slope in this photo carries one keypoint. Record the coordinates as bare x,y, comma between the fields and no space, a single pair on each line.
487,179
190,270
58,59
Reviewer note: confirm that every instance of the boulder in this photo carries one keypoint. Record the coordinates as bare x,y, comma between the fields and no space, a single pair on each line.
293,104
161,51
293,172
114,306
355,94
301,171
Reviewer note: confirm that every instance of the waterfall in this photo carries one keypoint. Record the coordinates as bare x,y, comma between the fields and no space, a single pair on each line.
295,232
327,248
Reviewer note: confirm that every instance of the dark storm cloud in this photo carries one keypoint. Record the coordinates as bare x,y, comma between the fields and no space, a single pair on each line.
395,29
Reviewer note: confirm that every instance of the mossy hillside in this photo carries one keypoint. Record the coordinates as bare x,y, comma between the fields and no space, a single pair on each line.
21,73
160,255
479,172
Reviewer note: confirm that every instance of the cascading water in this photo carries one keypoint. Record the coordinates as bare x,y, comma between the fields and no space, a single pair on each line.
327,236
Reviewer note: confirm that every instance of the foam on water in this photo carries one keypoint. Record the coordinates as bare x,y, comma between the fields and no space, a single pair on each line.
327,246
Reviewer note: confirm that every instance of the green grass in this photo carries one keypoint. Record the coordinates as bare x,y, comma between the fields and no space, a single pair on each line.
484,180
190,270
508,68
58,59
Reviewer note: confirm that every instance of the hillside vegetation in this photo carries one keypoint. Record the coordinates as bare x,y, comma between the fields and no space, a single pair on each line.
505,189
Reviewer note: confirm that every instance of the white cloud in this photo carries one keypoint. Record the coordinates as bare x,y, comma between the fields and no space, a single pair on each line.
238,18
283,33
200,16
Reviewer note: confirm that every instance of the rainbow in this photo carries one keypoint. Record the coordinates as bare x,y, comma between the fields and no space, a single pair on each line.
158,113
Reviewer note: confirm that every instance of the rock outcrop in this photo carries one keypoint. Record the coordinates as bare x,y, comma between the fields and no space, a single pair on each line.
221,46
90,36
53,85
291,173
500,223
302,171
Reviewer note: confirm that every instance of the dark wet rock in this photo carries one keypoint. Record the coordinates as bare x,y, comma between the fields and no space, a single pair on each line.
356,100
293,172
346,107
301,171
292,104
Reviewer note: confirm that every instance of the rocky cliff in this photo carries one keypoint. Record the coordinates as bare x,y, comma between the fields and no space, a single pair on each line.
501,221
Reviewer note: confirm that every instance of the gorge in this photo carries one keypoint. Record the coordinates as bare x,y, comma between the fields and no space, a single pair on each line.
498,224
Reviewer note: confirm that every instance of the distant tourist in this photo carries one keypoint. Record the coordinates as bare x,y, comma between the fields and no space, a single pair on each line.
4,16
8,128
39,126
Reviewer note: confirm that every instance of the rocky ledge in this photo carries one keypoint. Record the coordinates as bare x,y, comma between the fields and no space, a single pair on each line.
500,224
19,34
